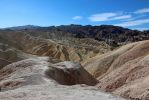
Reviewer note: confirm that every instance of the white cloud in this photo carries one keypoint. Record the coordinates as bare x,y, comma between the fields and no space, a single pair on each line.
133,23
77,18
122,17
141,11
101,17
108,17
134,18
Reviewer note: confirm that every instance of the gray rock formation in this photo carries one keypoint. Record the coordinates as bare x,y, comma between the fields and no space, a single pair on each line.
28,80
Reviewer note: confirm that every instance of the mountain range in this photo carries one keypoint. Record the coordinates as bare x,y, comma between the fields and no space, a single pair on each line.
113,35
71,62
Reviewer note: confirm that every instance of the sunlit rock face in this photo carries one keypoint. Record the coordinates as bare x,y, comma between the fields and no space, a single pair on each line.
123,71
66,73
37,78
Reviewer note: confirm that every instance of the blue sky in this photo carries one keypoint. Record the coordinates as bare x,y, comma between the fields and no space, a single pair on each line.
132,14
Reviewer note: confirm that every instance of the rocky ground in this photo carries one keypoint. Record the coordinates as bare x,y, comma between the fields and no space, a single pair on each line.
38,79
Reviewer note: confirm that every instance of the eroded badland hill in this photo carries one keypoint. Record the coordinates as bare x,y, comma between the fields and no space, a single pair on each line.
74,62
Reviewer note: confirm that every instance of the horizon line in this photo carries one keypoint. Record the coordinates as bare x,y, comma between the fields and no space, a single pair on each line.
15,26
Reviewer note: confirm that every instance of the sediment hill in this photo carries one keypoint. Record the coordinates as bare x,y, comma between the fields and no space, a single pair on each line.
74,49
124,71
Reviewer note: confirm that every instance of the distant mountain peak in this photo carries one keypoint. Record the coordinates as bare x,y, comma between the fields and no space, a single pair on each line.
23,27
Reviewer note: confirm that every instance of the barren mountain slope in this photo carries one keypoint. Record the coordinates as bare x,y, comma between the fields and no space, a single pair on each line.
9,54
73,49
112,35
31,79
124,71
